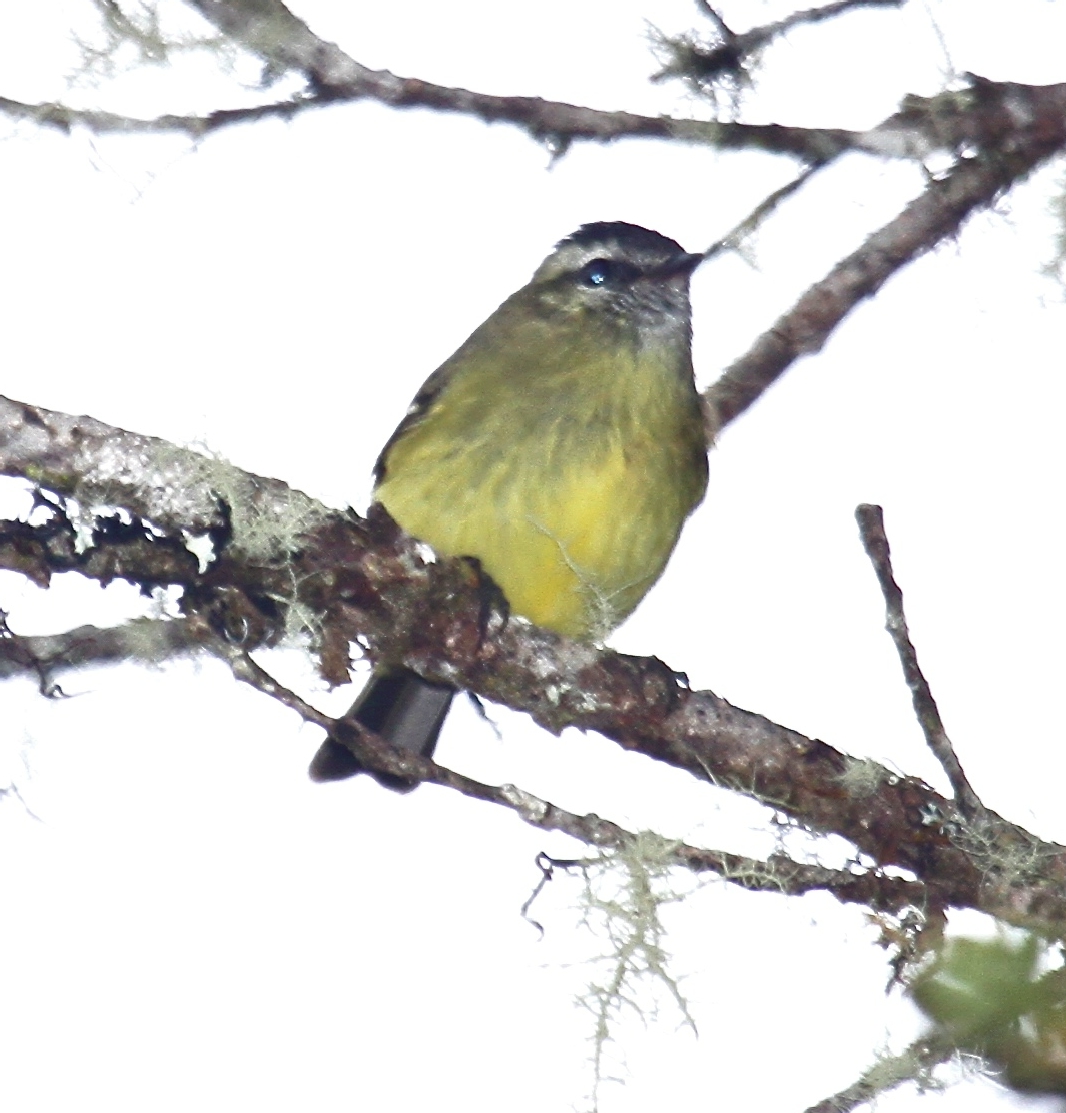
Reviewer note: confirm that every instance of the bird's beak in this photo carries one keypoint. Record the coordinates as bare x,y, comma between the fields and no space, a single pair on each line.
681,264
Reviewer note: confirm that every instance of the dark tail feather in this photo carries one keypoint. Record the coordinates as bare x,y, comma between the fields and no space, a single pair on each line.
402,708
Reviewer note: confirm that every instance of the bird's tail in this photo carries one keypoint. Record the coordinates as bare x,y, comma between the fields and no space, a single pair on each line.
402,708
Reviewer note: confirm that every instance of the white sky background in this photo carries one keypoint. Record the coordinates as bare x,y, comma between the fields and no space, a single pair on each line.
188,922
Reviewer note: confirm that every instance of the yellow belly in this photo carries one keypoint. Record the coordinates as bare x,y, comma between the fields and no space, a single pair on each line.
566,460
573,538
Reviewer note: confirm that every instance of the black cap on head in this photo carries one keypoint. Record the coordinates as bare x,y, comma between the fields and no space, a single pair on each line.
627,236
638,251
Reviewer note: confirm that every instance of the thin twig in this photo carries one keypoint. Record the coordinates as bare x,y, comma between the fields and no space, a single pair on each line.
553,121
720,24
742,44
732,240
761,36
777,874
727,60
245,669
875,542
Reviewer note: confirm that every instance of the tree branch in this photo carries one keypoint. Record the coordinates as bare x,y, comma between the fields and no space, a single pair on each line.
777,874
874,540
734,238
915,1064
269,30
144,640
759,37
705,65
555,122
65,118
178,490
1018,126
276,553
363,580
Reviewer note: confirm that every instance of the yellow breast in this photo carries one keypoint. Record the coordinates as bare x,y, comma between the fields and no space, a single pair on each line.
570,487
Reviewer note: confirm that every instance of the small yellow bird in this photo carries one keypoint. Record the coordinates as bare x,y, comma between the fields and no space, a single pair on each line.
563,446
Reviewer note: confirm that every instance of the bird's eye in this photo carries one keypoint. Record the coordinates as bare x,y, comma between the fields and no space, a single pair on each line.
603,272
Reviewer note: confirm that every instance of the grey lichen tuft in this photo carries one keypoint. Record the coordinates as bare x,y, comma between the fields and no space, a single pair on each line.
862,777
267,522
626,890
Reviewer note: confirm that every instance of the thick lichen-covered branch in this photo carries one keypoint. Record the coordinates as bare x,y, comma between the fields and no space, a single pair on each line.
365,581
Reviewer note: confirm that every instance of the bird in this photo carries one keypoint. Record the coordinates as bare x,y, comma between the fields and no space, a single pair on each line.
563,446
